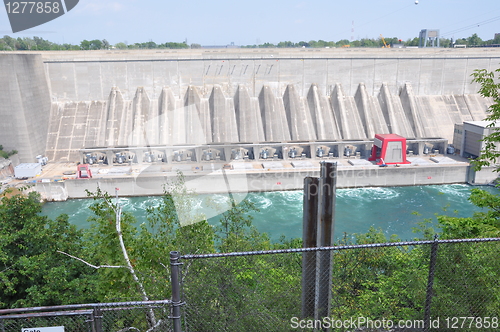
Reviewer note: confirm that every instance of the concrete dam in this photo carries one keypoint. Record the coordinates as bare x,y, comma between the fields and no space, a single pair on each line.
57,103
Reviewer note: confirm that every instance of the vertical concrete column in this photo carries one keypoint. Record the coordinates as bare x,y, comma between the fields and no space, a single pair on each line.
168,155
199,153
367,147
139,153
341,148
110,156
285,150
313,147
421,148
82,157
227,153
255,152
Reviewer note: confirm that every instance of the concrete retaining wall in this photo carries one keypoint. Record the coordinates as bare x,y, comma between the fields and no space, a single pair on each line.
232,181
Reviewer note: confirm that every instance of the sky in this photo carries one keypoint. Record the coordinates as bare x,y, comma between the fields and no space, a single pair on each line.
244,22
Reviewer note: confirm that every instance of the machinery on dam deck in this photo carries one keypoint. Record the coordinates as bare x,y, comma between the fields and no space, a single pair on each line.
83,172
389,149
264,151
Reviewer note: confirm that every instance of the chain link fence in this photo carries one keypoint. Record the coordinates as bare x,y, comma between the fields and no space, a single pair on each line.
440,285
436,285
151,316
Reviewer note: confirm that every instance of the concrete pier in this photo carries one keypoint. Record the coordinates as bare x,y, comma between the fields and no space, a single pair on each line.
246,177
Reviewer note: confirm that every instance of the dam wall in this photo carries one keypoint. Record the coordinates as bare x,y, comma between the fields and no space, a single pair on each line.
170,97
90,75
25,105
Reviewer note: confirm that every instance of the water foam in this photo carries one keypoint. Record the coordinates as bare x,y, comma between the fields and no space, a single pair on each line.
261,202
368,194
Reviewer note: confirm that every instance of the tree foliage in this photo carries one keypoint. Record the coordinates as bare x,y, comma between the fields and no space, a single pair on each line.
485,223
489,82
32,272
6,154
239,291
8,43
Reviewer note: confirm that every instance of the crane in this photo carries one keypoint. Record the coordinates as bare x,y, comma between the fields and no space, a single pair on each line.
385,44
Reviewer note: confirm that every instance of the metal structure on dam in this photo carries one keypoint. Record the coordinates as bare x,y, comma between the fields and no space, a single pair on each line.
57,103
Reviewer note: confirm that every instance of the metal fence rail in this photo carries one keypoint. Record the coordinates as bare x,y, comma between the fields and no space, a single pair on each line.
413,285
148,316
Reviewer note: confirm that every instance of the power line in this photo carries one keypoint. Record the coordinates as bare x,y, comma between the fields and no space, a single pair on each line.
491,20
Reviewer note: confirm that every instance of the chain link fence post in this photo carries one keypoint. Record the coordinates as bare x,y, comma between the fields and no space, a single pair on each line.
97,320
328,182
176,290
430,283
309,237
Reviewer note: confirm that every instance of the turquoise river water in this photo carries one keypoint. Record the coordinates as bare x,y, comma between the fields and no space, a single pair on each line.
387,208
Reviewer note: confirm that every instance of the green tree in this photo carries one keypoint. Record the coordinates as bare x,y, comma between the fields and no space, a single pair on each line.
481,224
105,44
412,42
6,154
302,44
496,40
145,271
236,232
461,41
175,45
32,272
365,42
489,82
342,42
10,42
355,43
96,44
85,44
474,40
267,45
121,46
285,44
42,44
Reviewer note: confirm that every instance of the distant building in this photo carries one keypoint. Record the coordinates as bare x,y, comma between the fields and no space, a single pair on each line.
221,46
429,38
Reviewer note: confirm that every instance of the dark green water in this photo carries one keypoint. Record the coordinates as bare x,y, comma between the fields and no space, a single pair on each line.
388,208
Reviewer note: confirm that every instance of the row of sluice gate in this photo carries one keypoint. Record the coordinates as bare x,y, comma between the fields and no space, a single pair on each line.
269,116
217,118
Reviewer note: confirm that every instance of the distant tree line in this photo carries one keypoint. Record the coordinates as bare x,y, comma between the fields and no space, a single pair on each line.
472,41
8,43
